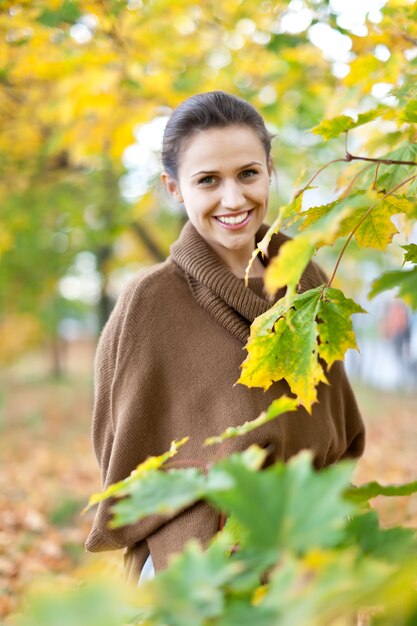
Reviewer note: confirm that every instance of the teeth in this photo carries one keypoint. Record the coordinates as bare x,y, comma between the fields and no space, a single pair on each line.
234,220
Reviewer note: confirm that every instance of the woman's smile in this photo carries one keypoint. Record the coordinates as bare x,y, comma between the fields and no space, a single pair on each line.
235,222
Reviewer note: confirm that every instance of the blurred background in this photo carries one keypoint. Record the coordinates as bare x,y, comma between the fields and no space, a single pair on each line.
86,88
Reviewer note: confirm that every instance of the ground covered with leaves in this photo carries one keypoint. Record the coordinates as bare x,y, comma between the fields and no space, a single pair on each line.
48,469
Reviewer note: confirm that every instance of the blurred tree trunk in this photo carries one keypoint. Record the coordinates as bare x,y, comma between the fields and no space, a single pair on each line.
58,353
105,304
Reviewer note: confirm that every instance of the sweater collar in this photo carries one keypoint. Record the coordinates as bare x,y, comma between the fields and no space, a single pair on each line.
217,290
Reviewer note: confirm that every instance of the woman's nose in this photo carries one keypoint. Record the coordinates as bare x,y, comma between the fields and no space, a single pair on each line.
232,196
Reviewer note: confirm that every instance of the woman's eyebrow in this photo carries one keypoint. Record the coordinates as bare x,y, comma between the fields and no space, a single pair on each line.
242,167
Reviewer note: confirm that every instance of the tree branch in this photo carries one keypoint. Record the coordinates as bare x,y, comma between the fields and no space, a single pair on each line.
351,157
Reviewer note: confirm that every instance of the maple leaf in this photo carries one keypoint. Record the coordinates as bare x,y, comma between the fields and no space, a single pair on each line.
284,212
404,280
389,175
150,464
277,407
410,253
287,267
287,341
377,229
329,129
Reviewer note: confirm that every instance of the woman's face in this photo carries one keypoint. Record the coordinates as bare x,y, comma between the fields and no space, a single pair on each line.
223,181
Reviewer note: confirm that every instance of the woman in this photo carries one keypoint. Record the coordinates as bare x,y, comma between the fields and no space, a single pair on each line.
170,355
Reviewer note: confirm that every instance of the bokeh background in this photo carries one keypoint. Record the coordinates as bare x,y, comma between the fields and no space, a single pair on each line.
86,88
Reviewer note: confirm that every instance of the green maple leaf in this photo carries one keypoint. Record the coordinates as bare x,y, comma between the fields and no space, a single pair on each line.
373,489
171,491
149,465
335,326
192,591
409,114
287,341
287,522
390,544
392,175
68,12
159,492
411,253
404,280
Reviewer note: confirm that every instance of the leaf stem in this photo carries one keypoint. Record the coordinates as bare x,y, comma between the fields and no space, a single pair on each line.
352,157
300,191
354,179
376,176
363,218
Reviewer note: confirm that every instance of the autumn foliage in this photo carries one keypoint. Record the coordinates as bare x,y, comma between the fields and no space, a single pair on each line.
77,78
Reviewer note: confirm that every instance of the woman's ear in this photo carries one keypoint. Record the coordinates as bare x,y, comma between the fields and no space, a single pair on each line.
171,186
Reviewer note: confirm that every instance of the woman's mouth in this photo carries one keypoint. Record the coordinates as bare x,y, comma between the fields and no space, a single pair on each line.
235,222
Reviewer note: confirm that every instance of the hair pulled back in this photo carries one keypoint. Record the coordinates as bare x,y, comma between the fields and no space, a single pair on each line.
213,109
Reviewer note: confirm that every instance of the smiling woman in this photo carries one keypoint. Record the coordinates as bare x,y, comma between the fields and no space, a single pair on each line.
169,357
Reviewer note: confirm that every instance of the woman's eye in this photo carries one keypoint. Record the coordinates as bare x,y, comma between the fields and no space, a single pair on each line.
207,180
248,173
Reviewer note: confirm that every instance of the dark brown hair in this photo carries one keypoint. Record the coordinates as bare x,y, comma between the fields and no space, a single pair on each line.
213,109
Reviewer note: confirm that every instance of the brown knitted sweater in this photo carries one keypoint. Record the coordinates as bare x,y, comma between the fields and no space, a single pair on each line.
166,364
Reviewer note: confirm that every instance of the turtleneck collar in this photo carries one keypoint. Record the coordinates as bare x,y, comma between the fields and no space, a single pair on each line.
220,292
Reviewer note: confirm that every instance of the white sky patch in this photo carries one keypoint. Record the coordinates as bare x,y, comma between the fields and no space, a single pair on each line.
235,41
83,30
381,92
134,5
150,135
340,70
83,282
81,33
219,58
268,94
334,45
185,25
142,159
261,37
241,80
382,53
410,54
352,14
296,19
246,27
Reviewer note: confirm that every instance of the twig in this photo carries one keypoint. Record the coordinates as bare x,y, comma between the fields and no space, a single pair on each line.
351,157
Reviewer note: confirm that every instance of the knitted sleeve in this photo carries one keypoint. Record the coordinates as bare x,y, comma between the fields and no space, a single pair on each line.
125,427
110,426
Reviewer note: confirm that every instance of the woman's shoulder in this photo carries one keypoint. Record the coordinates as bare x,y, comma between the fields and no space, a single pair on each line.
153,280
142,298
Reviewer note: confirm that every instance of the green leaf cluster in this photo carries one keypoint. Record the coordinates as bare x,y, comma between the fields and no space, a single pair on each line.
292,341
298,548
